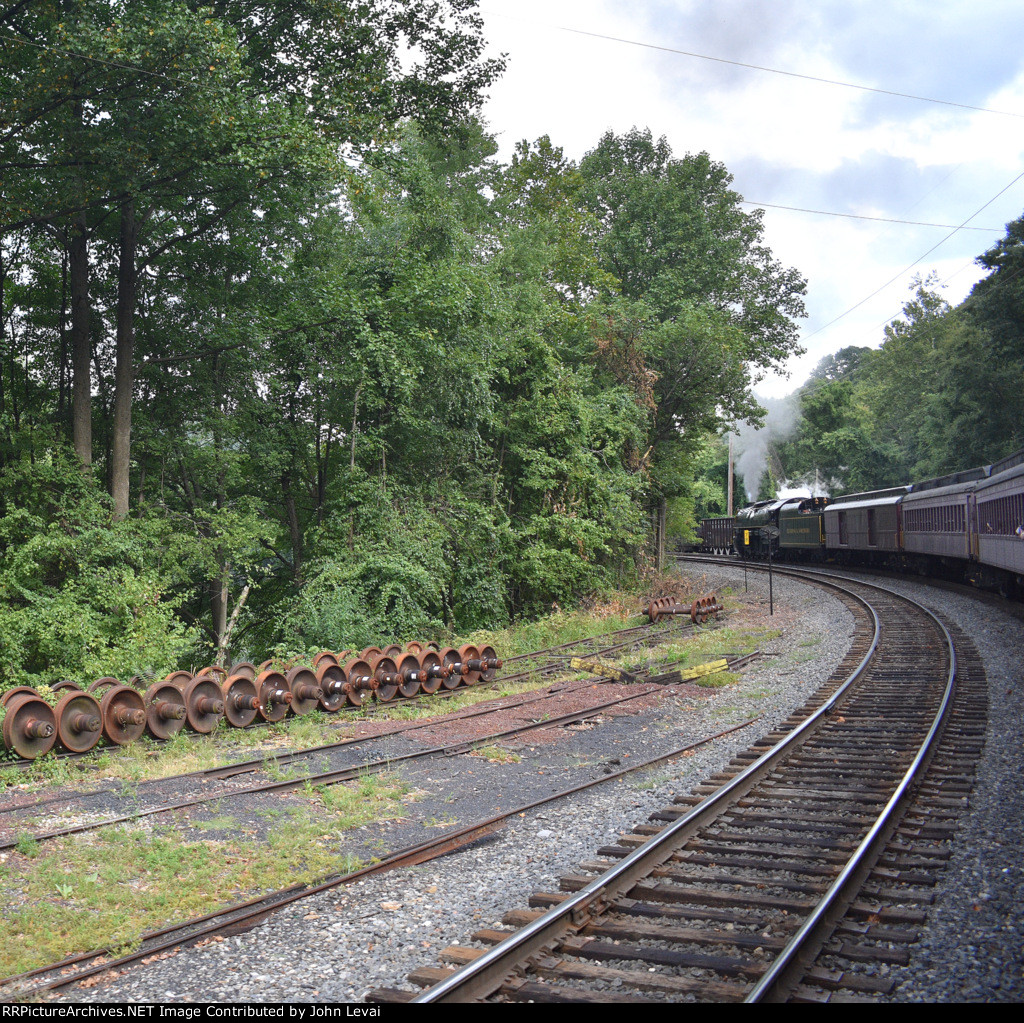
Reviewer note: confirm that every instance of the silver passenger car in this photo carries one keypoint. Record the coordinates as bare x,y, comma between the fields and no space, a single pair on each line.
938,519
1000,516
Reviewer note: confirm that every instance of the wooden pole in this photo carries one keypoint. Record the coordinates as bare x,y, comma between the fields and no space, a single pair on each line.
729,487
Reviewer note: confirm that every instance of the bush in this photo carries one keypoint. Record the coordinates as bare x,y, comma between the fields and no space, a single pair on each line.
81,595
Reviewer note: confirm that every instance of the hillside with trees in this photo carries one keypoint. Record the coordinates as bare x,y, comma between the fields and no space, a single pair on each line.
289,359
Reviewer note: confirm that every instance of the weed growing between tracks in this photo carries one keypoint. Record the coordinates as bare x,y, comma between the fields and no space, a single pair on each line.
496,754
558,628
108,888
705,644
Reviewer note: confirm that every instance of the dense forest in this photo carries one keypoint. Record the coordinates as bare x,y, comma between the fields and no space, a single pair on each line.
288,358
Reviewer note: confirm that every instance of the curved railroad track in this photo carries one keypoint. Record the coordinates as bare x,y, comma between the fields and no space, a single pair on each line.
802,872
239,917
242,916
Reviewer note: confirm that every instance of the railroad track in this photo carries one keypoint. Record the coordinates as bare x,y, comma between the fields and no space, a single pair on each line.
804,871
535,665
360,769
194,788
240,917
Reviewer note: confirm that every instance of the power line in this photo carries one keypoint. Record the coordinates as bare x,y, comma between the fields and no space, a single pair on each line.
768,70
857,216
916,261
98,60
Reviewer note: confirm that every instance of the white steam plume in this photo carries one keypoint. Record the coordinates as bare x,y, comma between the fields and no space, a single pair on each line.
751,447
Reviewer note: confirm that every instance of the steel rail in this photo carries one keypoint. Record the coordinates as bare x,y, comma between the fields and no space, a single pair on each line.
792,959
251,911
336,776
486,973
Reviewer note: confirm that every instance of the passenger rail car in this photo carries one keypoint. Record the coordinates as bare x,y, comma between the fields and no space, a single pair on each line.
938,524
864,527
966,526
999,503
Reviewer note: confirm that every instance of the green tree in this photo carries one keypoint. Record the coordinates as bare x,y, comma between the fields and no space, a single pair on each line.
705,309
898,382
187,111
675,236
983,374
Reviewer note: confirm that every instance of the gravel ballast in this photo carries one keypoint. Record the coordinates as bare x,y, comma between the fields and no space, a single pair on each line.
341,944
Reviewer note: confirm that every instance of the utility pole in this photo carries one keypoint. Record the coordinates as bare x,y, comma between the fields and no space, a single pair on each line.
729,486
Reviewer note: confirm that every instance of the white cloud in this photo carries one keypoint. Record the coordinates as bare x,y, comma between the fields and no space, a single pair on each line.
791,141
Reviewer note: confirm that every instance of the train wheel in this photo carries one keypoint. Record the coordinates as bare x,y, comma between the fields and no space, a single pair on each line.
165,710
30,726
387,677
241,700
204,704
332,679
471,673
359,681
449,658
490,663
275,696
214,670
306,691
79,721
432,671
409,670
123,711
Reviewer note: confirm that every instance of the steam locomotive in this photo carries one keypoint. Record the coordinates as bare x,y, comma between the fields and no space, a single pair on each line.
966,526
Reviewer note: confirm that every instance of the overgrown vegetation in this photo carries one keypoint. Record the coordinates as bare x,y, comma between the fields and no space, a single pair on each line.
253,396
109,888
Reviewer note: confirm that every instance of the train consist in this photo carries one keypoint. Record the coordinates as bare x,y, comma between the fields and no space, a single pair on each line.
966,526
76,719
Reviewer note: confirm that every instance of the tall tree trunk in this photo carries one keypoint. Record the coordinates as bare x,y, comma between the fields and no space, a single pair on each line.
127,284
81,343
219,606
3,329
62,375
352,464
225,640
662,528
293,525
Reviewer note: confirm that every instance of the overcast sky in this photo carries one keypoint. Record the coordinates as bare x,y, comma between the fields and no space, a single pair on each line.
792,142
